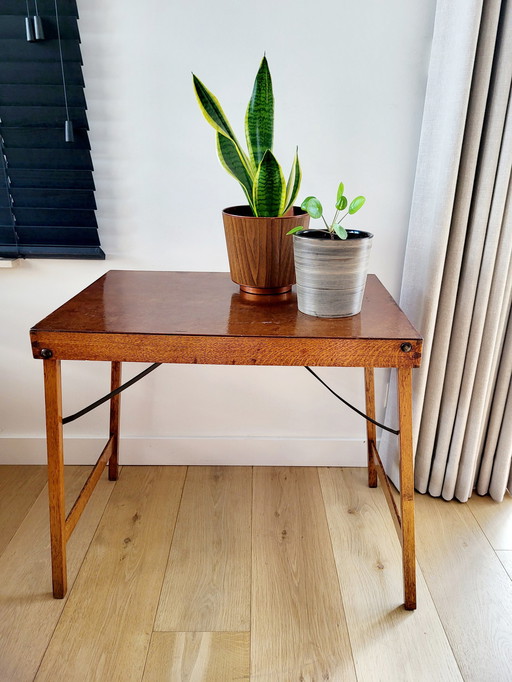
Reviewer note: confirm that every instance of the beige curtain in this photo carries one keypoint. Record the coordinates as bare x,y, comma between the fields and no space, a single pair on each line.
457,282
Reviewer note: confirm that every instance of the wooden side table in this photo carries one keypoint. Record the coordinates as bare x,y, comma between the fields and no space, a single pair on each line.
202,318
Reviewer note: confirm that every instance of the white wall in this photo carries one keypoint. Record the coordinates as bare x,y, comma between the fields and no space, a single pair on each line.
349,81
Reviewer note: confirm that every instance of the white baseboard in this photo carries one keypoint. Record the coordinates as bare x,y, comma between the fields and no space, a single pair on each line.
248,451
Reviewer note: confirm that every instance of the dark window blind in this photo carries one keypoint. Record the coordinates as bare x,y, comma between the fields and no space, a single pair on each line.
47,205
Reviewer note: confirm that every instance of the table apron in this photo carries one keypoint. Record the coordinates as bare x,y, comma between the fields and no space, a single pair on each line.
227,350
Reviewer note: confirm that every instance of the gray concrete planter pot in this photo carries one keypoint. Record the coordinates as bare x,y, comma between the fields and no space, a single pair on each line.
331,273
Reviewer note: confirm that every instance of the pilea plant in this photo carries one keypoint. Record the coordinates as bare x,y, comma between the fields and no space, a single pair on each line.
313,206
257,170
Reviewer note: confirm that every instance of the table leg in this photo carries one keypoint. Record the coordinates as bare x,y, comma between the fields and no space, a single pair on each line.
371,431
55,450
115,405
407,486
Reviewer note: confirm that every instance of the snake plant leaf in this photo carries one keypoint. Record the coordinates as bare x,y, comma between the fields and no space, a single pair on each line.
269,189
213,113
312,206
340,230
211,109
342,202
229,157
356,204
259,117
293,184
341,191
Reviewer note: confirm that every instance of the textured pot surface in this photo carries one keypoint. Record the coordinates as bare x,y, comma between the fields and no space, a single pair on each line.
259,251
331,273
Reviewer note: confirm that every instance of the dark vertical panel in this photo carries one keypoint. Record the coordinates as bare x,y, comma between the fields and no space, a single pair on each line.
47,205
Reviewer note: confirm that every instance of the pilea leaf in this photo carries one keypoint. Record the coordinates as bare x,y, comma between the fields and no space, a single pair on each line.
340,230
312,206
356,204
342,202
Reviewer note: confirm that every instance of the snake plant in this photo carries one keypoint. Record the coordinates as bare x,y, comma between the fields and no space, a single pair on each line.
257,170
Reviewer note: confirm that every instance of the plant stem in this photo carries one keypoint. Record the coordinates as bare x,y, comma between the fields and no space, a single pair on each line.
335,219
326,225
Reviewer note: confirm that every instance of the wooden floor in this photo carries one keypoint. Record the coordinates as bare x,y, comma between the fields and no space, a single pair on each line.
267,574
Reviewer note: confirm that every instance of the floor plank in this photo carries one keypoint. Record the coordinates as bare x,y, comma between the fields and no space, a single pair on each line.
198,657
301,628
105,628
29,613
495,519
506,560
19,488
471,589
207,584
298,629
389,643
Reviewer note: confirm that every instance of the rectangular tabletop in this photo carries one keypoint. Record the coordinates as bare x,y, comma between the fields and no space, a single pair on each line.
202,317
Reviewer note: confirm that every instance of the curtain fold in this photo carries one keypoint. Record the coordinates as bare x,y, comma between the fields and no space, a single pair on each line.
457,290
496,453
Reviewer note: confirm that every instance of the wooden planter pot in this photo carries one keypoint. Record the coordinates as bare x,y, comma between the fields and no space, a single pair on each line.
260,254
331,273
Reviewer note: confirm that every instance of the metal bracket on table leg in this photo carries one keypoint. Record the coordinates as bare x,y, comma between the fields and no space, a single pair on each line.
110,395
